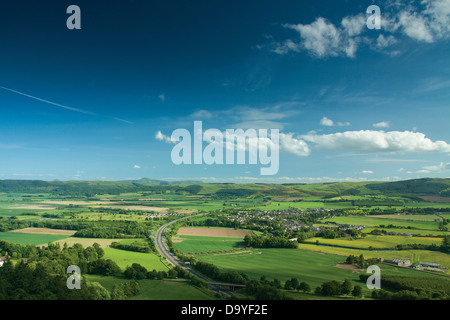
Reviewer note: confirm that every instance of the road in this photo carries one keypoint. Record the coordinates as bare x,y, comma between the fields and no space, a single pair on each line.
173,260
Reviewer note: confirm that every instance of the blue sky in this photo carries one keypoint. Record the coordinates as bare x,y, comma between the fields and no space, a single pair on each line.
351,104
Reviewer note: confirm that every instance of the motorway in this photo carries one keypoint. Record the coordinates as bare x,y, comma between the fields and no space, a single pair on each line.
172,259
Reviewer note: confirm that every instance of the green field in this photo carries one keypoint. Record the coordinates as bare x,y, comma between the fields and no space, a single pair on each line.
311,267
283,205
409,231
413,255
157,289
377,242
207,244
125,258
395,221
28,238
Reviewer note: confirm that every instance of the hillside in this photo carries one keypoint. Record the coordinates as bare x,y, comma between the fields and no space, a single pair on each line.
409,188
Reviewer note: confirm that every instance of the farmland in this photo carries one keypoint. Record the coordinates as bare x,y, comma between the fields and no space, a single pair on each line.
198,244
127,258
413,255
375,221
158,289
377,242
285,264
28,238
325,222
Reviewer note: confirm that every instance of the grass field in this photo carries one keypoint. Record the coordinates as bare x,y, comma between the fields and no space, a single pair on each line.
413,255
206,244
412,217
157,289
410,231
311,267
125,258
28,238
395,221
377,242
46,231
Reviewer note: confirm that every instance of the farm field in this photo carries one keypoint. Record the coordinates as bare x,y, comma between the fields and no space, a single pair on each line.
29,238
85,242
46,231
206,244
412,255
283,205
125,258
311,267
412,217
248,206
409,231
374,221
377,242
212,232
157,289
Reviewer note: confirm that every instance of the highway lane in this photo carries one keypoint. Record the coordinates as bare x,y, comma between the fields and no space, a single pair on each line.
172,259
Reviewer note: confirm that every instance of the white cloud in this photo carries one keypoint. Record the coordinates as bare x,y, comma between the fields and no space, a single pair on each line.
382,124
292,145
377,141
327,122
162,137
245,117
367,172
438,168
369,141
162,97
320,38
330,123
415,26
439,13
424,21
136,166
354,25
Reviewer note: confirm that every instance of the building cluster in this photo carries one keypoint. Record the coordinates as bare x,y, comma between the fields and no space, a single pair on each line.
399,262
161,214
430,266
289,219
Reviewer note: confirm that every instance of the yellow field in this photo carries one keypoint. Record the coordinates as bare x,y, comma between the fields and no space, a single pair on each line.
86,242
140,208
46,231
35,207
213,232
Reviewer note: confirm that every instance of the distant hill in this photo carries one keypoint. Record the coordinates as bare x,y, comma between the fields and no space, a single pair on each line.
408,188
151,182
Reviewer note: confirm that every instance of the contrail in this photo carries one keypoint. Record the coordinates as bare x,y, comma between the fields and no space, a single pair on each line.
60,105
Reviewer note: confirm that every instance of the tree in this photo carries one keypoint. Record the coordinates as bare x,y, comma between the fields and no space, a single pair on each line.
288,285
346,287
357,291
294,283
276,283
331,288
304,287
172,273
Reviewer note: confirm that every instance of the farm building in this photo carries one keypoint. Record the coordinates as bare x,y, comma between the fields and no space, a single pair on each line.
399,262
429,265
